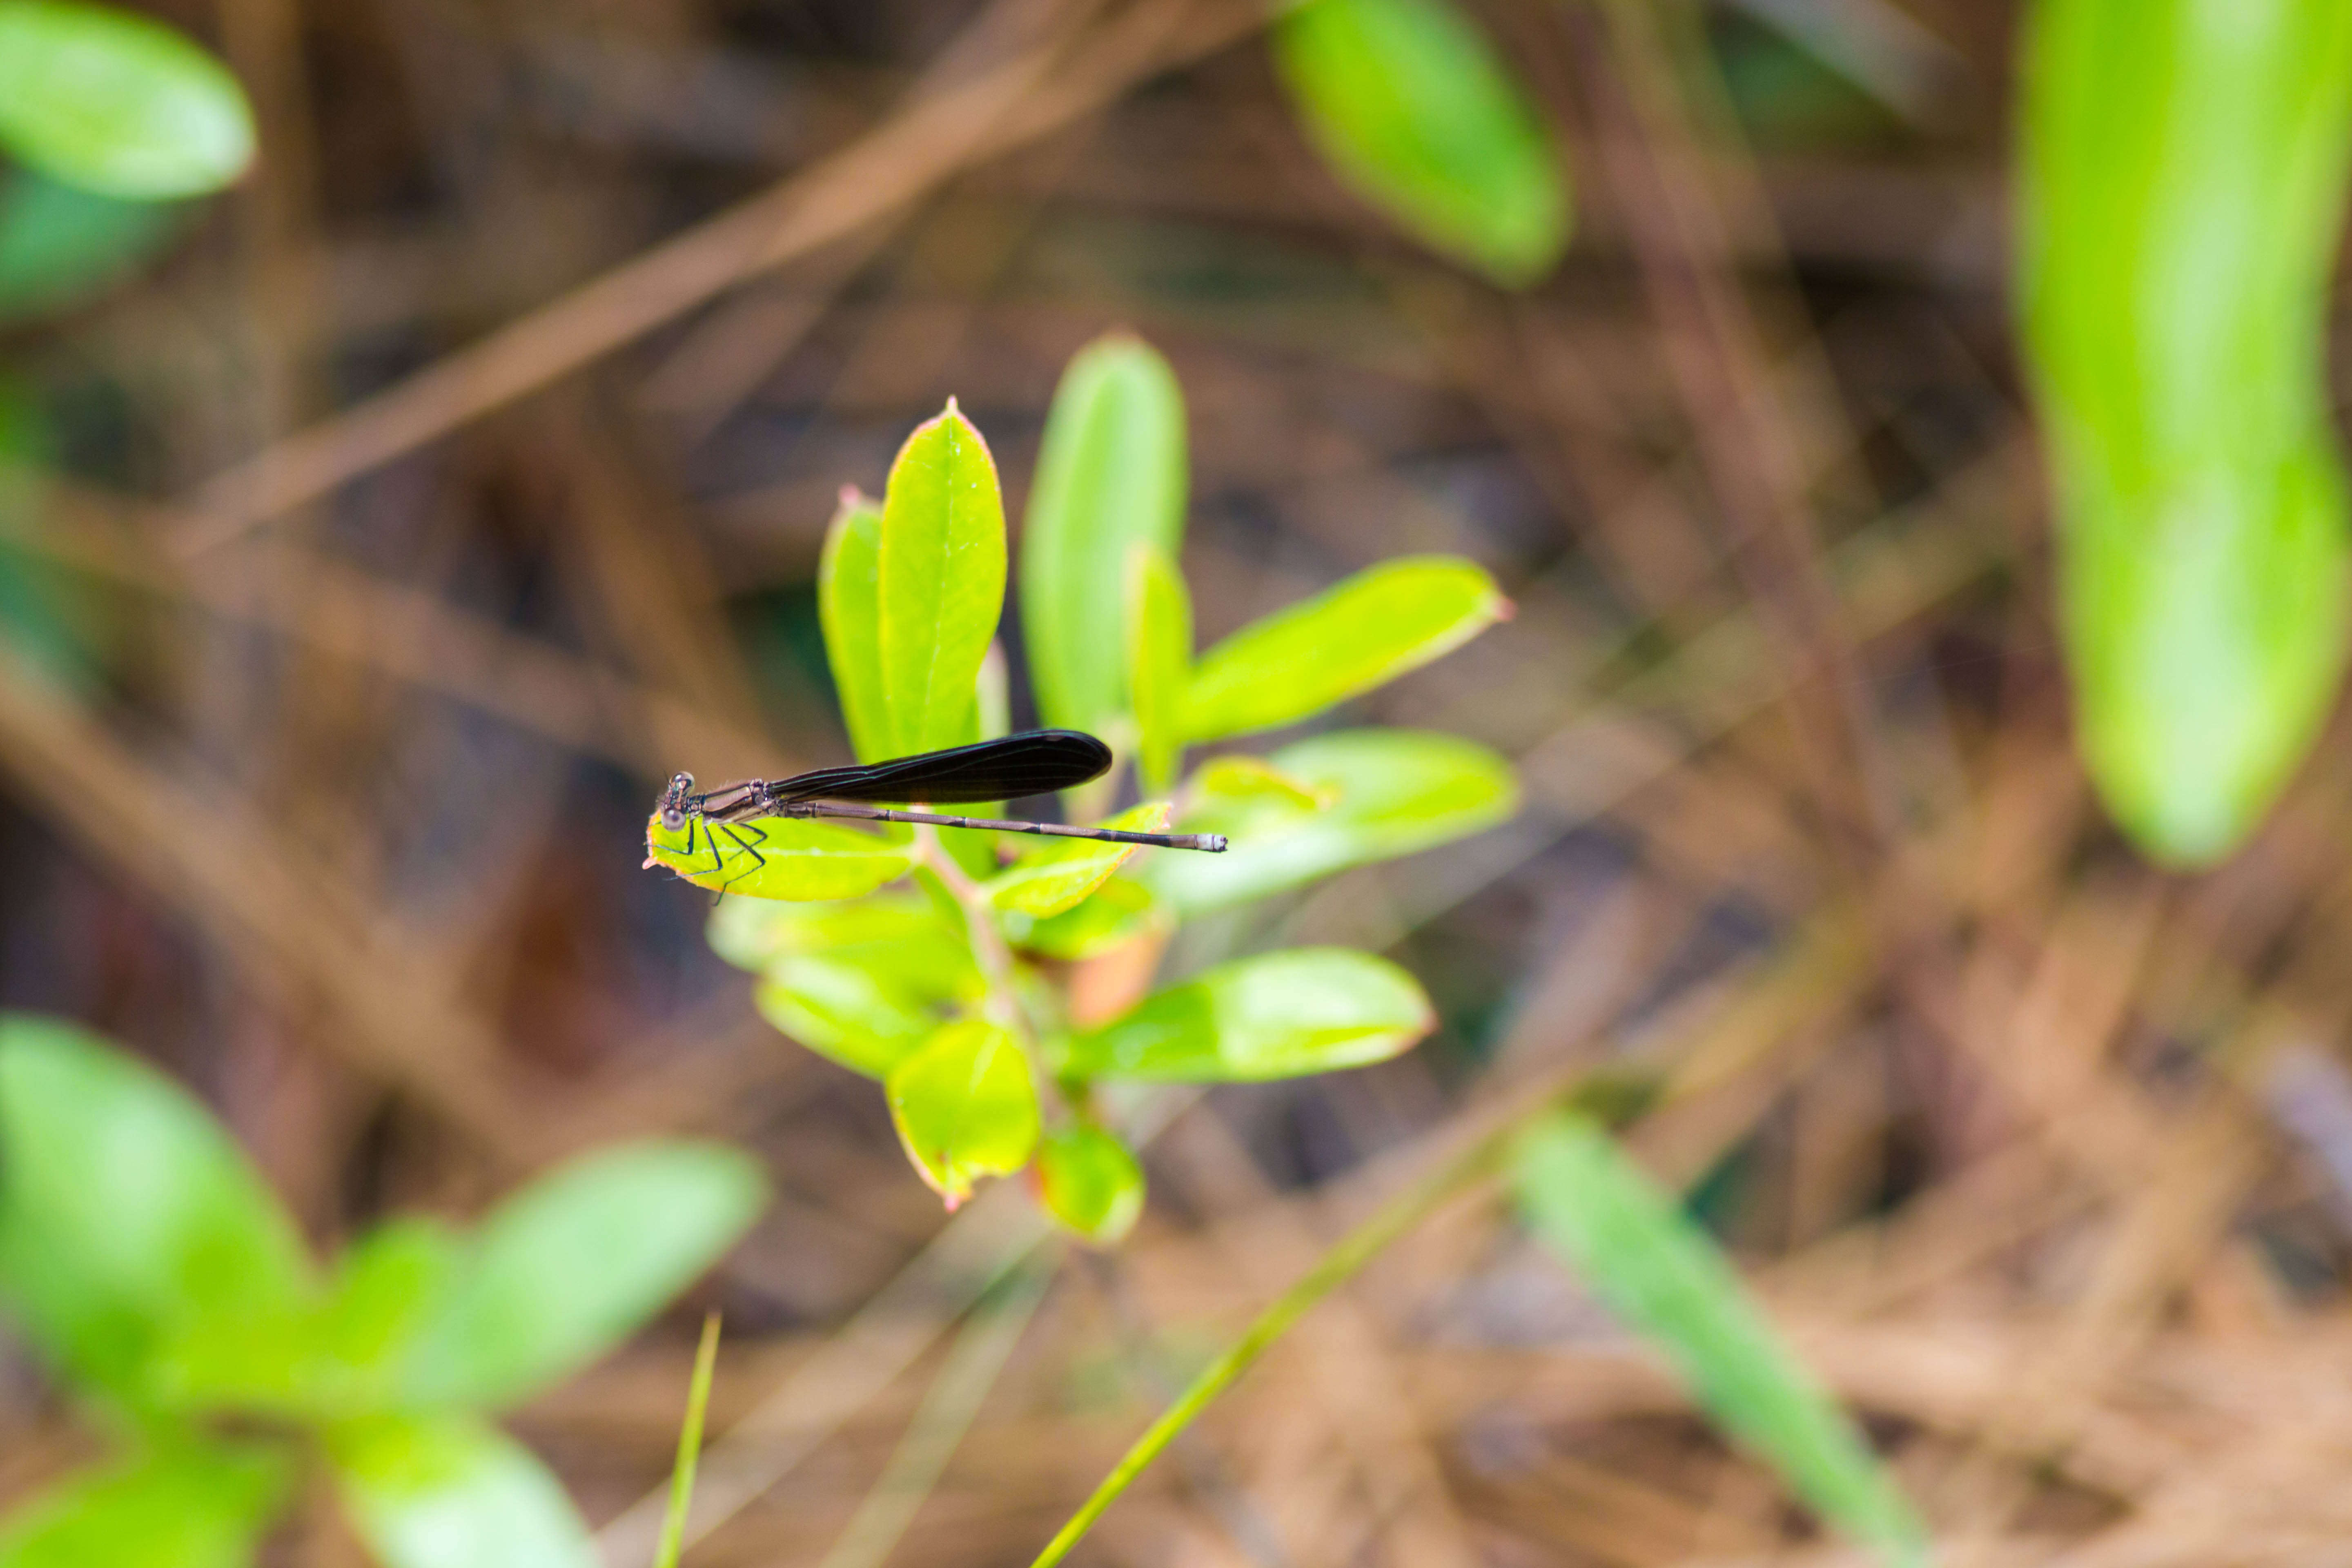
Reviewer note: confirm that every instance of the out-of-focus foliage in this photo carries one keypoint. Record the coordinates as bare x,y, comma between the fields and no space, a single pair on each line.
1664,1279
142,1259
117,103
1110,477
1412,109
2183,168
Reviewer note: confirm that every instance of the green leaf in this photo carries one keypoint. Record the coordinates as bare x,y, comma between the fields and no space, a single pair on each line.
1065,872
1110,476
781,857
848,1014
1119,912
848,608
1090,1184
1393,792
60,244
940,582
1244,782
863,982
1279,1015
1160,663
53,617
2184,174
902,936
186,1504
965,1106
451,1491
576,1262
127,1217
1362,633
117,103
1659,1272
1413,112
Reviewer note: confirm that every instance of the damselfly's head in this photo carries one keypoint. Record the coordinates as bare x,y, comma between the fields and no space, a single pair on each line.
674,801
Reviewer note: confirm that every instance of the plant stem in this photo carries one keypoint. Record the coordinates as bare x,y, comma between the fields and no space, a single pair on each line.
1334,1269
690,1446
995,959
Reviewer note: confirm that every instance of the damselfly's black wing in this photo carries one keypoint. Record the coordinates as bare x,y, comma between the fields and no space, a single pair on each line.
1035,762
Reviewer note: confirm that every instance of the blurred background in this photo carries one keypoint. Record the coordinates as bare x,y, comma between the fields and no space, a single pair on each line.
416,506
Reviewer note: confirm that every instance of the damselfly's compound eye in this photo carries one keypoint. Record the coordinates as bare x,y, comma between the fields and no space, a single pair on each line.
673,817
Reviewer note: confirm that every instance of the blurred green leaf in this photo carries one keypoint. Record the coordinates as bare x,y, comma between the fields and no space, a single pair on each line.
1110,476
1160,663
1279,1015
60,244
1120,910
900,935
188,1504
50,616
1059,875
450,1491
1658,1271
127,1217
1393,792
117,103
965,1106
1415,113
863,983
1090,1184
847,603
940,582
2183,185
1239,781
1362,633
577,1261
782,857
847,1012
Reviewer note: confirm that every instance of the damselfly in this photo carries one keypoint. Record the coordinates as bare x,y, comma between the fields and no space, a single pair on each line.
1035,762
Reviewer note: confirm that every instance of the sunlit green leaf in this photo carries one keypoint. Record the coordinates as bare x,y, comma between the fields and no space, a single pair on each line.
186,1504
577,1261
117,103
1090,1184
1230,782
1413,111
1280,1015
2183,187
1362,633
1393,792
1119,912
127,1217
1062,872
847,1013
965,1106
940,581
1160,663
781,857
1633,1248
848,608
59,244
902,934
1110,476
451,1491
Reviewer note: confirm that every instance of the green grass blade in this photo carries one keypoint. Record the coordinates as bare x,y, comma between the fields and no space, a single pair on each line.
1334,1269
939,1423
689,1445
1664,1279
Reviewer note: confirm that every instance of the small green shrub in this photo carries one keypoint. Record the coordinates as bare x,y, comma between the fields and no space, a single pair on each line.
145,1262
932,961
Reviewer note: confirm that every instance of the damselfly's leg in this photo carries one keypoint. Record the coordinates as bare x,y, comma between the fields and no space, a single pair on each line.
748,846
710,835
